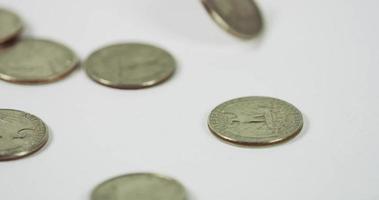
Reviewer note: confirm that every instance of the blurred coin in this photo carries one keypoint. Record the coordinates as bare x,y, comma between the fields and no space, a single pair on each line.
21,134
255,121
130,66
10,26
141,186
36,61
242,18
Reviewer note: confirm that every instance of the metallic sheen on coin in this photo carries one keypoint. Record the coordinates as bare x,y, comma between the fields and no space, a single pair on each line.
255,121
130,66
21,134
36,61
241,18
10,26
140,186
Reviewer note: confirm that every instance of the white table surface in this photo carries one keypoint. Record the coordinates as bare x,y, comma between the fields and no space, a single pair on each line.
320,55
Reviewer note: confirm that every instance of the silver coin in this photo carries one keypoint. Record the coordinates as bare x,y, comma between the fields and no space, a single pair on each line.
36,61
21,134
130,66
241,18
255,121
10,25
140,186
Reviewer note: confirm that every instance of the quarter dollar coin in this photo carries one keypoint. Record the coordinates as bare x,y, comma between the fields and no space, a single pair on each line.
130,66
140,186
21,134
10,26
241,18
36,61
255,121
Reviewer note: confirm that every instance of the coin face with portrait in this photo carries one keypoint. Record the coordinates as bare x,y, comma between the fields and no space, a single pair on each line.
255,121
21,134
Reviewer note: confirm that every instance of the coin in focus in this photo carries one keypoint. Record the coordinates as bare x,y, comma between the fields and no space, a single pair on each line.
140,186
130,66
10,25
36,61
241,18
255,121
21,134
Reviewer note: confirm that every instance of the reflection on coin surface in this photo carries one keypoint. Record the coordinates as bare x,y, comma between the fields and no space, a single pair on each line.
10,25
141,186
130,66
255,121
242,18
36,61
21,134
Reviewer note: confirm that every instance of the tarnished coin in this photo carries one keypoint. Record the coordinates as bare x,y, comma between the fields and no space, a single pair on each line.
255,121
36,61
10,25
241,18
21,134
141,186
130,66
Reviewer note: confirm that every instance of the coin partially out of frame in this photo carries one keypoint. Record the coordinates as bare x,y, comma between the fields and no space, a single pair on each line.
140,186
10,25
241,18
255,121
130,66
36,61
21,134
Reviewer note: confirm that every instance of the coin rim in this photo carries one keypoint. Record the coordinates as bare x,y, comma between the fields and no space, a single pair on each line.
23,154
143,85
237,142
222,23
16,33
168,178
50,79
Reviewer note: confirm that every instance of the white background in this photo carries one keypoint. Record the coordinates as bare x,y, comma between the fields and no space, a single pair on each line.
320,55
